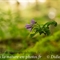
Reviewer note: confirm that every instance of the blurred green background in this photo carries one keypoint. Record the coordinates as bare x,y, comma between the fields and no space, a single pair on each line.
15,38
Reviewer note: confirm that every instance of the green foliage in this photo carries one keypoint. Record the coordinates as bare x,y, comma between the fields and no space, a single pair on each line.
46,46
44,28
50,23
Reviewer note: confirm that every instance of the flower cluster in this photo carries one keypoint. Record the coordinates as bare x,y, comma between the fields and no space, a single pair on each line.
30,26
40,29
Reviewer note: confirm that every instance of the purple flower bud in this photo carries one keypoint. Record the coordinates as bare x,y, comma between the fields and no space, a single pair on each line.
33,22
29,27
